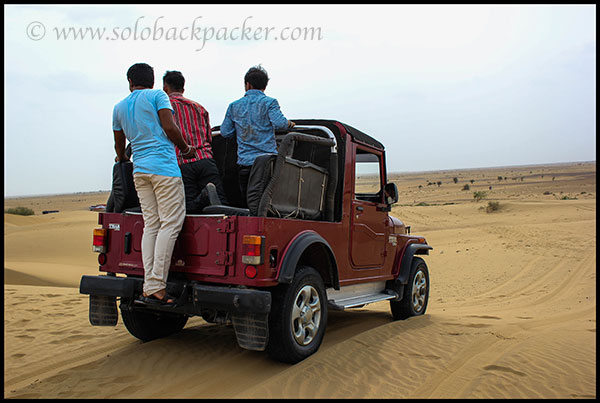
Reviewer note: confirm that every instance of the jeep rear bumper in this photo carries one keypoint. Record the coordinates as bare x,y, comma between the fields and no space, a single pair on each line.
248,308
200,296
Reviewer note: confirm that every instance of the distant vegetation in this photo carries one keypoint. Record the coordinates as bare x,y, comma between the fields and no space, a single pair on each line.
479,195
19,211
492,206
466,187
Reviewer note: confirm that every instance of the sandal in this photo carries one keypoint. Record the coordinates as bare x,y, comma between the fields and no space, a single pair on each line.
151,299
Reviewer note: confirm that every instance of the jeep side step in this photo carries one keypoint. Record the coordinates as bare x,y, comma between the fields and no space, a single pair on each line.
357,302
355,296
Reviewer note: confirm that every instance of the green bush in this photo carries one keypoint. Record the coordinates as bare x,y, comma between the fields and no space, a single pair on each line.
492,206
479,195
466,187
19,211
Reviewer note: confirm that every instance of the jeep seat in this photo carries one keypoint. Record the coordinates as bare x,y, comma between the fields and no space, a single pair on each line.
282,186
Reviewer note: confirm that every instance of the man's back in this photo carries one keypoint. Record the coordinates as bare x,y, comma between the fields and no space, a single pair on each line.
194,123
137,116
254,118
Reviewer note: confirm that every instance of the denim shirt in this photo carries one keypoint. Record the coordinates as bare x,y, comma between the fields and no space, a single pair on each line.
254,118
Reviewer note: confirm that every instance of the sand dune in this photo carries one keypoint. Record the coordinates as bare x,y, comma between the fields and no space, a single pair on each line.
512,311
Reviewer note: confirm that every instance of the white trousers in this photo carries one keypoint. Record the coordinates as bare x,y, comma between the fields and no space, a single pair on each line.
162,200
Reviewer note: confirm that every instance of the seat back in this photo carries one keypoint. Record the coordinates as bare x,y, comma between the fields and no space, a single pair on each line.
296,188
123,193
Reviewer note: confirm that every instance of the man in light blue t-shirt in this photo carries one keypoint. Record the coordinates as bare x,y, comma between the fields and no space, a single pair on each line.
145,118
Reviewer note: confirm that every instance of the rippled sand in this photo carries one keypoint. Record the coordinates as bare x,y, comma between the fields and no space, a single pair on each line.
512,311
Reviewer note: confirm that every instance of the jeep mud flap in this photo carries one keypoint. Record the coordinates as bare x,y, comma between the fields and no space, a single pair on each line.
103,292
249,311
103,310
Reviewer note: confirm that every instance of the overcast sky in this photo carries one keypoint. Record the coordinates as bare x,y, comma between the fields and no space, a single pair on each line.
442,87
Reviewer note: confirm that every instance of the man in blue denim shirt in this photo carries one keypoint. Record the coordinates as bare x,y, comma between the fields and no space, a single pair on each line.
254,118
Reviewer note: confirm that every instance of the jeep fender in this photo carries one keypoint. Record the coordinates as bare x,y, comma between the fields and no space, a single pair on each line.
409,252
293,253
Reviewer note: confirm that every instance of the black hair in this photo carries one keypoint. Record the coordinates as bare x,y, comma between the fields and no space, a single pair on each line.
257,77
141,74
174,79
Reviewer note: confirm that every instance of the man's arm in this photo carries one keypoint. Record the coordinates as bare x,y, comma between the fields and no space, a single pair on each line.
207,126
174,134
276,117
120,146
228,127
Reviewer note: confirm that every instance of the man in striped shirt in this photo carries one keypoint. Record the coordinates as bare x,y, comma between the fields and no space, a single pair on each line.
193,121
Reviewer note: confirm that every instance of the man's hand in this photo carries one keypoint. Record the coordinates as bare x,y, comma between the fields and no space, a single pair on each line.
191,153
291,124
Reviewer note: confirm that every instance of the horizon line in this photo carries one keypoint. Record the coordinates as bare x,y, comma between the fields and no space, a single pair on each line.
389,173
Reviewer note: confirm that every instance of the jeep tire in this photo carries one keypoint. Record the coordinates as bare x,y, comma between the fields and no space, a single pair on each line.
148,326
416,292
298,318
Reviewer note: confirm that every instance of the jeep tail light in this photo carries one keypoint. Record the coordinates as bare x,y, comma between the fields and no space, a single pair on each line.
253,249
99,243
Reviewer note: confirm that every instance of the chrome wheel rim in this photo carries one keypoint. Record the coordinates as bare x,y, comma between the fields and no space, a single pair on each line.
306,315
419,291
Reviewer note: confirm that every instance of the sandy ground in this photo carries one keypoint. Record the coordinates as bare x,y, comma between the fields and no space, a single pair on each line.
512,310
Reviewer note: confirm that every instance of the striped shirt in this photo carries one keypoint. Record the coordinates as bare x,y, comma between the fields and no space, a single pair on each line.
193,122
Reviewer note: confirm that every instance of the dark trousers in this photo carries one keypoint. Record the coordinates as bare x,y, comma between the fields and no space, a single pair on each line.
195,176
243,175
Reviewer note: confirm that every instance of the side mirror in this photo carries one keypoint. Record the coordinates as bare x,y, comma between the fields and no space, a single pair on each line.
391,194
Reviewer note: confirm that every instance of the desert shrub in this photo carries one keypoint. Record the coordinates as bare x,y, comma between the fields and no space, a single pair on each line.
19,211
466,187
479,195
492,206
499,178
472,180
547,193
566,197
422,204
439,183
455,179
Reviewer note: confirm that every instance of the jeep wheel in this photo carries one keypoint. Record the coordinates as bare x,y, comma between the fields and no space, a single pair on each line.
416,292
148,326
298,318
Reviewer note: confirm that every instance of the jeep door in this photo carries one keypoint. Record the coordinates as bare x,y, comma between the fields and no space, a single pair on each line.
368,214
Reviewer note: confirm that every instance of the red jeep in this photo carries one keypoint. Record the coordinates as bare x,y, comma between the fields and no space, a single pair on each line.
314,234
